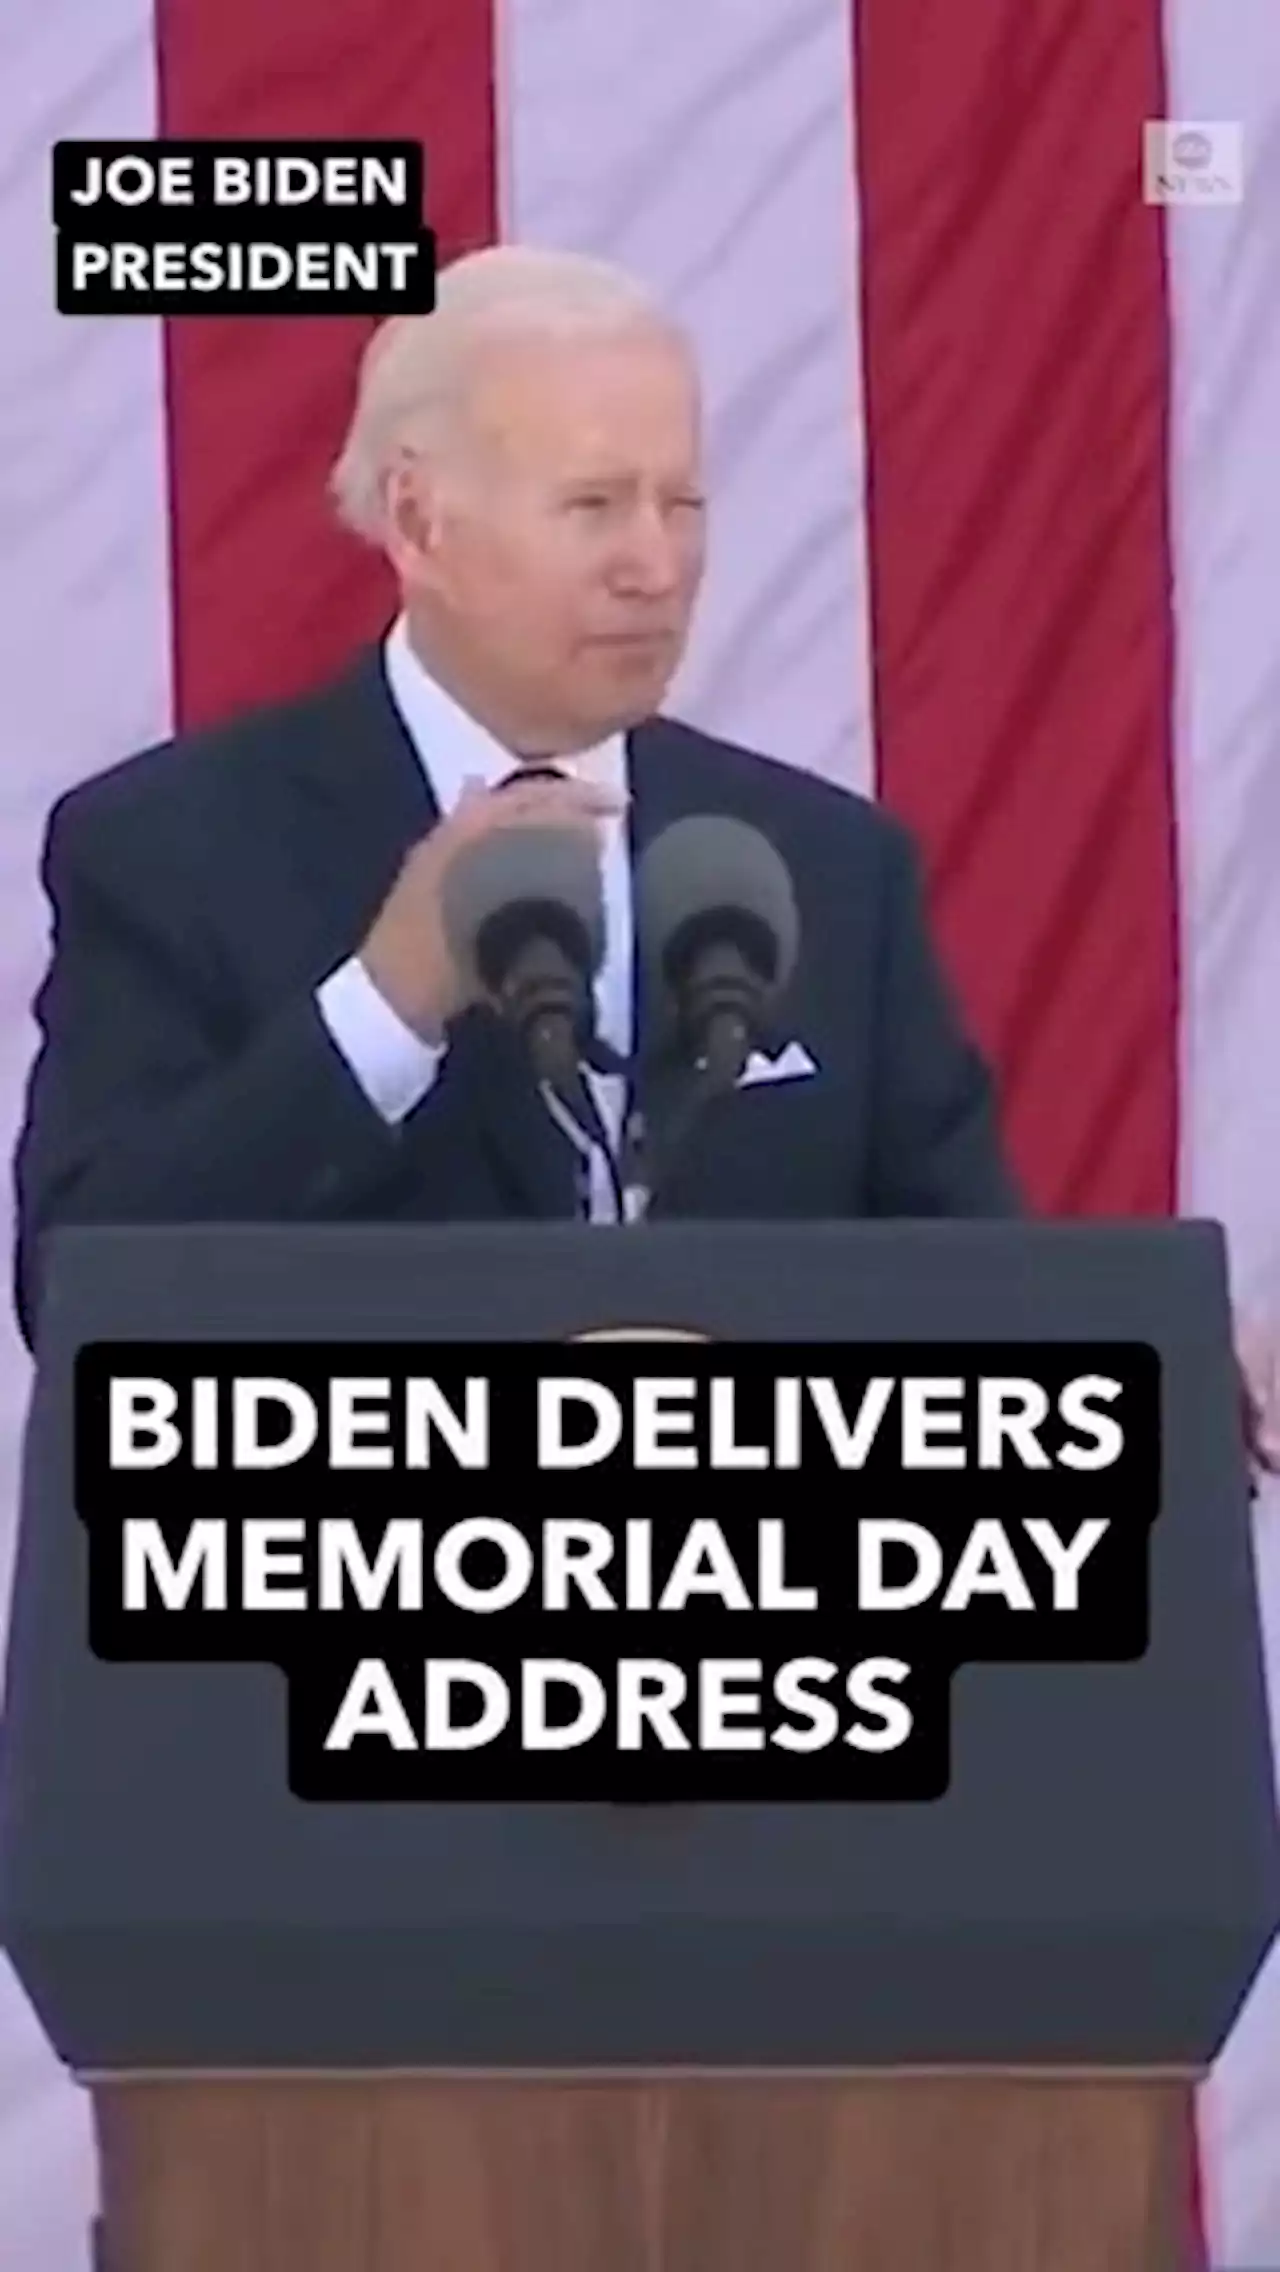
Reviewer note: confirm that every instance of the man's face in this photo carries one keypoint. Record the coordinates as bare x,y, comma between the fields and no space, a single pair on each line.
555,561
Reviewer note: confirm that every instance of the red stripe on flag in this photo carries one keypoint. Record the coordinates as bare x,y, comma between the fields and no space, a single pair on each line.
1016,372
267,595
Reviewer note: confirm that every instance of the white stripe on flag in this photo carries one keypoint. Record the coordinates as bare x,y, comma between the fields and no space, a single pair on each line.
1225,269
715,158
84,665
1224,67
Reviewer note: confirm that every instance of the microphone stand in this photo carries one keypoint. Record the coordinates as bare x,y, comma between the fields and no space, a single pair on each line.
722,1000
543,994
546,995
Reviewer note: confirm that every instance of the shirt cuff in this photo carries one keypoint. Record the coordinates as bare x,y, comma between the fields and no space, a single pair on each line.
393,1065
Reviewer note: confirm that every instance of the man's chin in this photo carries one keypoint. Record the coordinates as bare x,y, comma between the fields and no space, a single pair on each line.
634,683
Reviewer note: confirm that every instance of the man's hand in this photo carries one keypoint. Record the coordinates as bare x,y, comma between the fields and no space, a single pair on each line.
406,953
1258,1354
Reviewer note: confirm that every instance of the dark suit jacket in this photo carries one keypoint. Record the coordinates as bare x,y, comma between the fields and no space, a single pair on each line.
201,890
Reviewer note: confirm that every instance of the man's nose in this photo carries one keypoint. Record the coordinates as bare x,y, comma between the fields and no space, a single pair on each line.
650,559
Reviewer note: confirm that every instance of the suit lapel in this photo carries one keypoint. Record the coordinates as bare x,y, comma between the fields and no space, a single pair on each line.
362,797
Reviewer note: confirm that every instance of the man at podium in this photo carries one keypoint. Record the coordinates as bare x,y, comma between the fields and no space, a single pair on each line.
267,999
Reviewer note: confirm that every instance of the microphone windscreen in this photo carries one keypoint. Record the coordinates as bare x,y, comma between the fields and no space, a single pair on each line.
702,868
516,867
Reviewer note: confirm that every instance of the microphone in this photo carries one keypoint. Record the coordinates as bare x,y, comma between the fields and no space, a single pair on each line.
523,913
719,934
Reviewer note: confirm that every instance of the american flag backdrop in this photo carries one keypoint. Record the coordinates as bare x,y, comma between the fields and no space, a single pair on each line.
995,536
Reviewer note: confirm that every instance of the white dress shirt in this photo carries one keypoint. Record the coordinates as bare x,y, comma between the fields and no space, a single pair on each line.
393,1065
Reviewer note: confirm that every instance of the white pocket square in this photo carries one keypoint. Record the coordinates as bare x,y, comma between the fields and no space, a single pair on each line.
791,1064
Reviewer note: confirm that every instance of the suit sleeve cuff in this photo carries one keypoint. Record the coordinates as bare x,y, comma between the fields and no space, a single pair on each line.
395,1068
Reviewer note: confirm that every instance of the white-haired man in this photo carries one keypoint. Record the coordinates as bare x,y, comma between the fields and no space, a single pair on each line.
251,1012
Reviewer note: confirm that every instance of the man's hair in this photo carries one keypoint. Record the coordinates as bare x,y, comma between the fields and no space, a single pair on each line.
414,371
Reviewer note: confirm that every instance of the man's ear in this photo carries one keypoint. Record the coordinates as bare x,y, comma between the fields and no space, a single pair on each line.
411,519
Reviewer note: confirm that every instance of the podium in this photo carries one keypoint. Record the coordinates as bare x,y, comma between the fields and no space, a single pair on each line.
474,2038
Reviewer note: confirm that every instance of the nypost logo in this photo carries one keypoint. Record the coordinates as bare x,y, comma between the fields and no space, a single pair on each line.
1192,162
